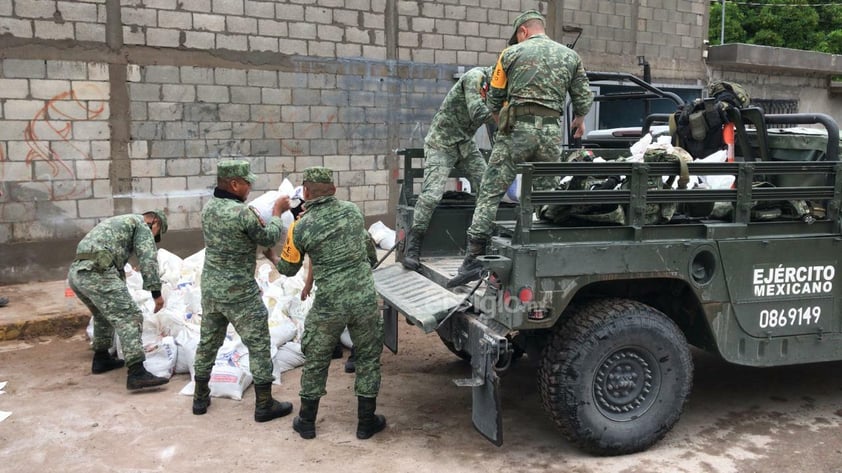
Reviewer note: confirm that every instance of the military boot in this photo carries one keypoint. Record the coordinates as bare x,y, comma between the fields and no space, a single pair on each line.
471,267
368,423
104,362
139,378
412,255
265,407
351,364
201,396
305,422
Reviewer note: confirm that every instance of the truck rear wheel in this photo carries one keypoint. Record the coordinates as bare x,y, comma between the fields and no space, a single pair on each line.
616,378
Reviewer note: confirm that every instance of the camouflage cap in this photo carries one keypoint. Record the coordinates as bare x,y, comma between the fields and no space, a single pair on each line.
523,18
730,92
162,217
235,168
318,174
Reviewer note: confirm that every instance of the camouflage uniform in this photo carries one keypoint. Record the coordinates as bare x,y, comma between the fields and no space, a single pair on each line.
97,278
232,230
333,233
534,78
450,142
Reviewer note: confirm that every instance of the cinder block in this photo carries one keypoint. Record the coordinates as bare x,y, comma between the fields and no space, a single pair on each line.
134,35
148,167
91,130
280,164
90,208
361,193
50,89
175,19
232,42
348,17
363,162
245,95
205,22
375,207
14,88
24,68
15,27
92,169
285,11
167,149
243,25
90,32
233,112
101,150
201,112
265,147
139,16
195,5
337,162
35,9
147,130
162,37
16,171
164,74
162,5
318,14
69,151
215,131
212,93
90,90
321,49
196,75
351,178
265,113
272,28
6,7
225,76
259,9
275,96
302,30
77,11
18,212
199,40
376,177
22,109
247,131
348,50
183,167
261,43
165,185
178,93
228,7
262,78
138,149
290,46
145,92
166,111
277,130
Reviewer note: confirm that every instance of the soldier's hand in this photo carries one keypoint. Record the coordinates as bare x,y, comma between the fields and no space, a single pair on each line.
159,303
281,206
578,127
305,293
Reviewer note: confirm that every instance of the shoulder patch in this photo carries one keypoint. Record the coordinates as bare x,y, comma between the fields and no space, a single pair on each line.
257,214
290,253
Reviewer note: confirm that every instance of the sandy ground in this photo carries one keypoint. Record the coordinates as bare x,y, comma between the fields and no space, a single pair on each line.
65,419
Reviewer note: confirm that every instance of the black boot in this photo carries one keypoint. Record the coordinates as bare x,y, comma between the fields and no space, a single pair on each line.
104,362
351,364
305,422
265,407
139,378
412,255
471,267
337,351
368,423
201,396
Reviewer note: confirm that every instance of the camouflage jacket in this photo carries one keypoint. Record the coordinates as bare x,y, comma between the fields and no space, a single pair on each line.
113,241
232,231
462,112
541,71
342,253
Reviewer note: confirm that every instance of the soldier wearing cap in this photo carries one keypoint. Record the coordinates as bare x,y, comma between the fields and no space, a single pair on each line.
450,143
528,90
332,232
97,277
232,231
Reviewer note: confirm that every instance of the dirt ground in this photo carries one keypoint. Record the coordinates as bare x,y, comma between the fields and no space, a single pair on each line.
65,419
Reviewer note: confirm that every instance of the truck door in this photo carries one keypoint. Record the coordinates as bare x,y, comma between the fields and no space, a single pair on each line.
783,287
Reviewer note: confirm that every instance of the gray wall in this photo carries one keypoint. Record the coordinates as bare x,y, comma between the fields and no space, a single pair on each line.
116,106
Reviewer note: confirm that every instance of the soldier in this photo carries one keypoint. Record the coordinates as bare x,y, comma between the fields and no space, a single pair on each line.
342,254
232,231
98,279
450,143
532,78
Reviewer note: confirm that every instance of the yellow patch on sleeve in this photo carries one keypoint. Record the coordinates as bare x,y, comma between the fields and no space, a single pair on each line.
290,253
498,77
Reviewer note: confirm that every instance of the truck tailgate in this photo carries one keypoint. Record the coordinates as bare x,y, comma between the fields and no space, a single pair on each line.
422,301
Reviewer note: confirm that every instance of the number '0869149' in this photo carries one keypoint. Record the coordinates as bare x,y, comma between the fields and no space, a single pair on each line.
790,317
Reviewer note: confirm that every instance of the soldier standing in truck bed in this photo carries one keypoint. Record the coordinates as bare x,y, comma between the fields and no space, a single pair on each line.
529,87
450,143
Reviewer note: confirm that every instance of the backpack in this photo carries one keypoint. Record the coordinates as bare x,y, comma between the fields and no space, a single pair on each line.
698,125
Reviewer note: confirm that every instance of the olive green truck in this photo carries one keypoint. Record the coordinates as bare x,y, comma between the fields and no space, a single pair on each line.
608,311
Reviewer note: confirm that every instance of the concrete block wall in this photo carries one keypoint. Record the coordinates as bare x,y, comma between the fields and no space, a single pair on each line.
160,90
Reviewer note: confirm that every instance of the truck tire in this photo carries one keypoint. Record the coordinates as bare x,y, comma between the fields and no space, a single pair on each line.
603,342
460,353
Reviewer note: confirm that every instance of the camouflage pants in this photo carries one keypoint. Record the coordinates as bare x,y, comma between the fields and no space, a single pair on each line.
251,321
113,309
437,166
321,333
527,142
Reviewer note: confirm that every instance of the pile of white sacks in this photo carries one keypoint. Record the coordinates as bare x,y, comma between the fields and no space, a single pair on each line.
171,335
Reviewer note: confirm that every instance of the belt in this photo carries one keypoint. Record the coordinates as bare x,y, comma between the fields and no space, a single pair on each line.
535,110
537,120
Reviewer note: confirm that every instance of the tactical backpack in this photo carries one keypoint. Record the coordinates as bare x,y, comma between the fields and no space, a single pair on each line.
698,125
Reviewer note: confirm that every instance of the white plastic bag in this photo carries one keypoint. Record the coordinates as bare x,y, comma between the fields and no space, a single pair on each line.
512,194
264,203
383,236
160,358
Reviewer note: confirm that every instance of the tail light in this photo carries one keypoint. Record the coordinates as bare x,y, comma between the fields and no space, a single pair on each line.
525,295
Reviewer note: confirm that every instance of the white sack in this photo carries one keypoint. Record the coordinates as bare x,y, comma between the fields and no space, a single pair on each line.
160,358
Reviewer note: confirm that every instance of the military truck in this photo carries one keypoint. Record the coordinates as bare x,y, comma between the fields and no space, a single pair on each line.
609,311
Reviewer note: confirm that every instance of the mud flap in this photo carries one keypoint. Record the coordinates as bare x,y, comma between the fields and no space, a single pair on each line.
390,328
486,411
485,349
